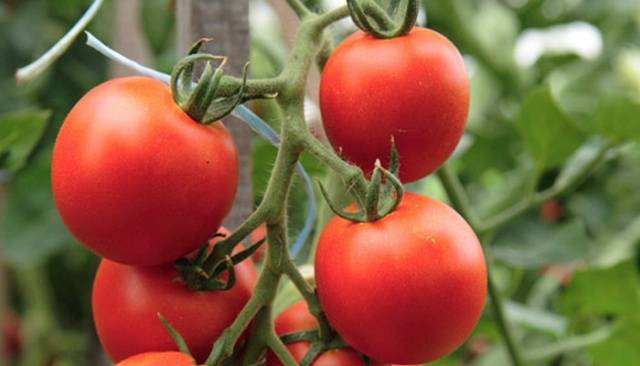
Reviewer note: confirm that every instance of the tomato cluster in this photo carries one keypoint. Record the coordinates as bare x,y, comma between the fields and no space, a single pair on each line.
409,287
142,184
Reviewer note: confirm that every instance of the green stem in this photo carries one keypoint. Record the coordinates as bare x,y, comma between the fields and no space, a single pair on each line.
299,8
456,193
501,319
352,175
276,345
310,297
254,88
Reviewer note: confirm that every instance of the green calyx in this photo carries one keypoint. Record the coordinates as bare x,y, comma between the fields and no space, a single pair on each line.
397,19
204,271
201,99
380,198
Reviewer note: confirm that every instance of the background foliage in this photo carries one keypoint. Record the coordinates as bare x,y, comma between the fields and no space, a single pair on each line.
569,268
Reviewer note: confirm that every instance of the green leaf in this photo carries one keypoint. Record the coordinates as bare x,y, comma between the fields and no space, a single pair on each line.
549,134
608,291
33,228
619,118
531,244
19,134
621,349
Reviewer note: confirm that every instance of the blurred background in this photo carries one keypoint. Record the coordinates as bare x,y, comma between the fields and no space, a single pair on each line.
549,78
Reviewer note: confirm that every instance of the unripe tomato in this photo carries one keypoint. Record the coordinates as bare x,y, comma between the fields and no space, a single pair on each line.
413,88
127,300
297,318
136,179
408,288
159,359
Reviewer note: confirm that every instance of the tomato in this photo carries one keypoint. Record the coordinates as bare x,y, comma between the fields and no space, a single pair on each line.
257,235
159,359
551,211
297,318
407,288
413,88
127,300
136,179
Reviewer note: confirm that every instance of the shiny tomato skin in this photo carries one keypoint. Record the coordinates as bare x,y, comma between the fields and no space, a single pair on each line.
136,179
126,302
159,359
297,318
414,88
408,288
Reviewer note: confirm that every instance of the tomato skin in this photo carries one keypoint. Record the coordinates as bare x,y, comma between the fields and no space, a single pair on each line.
159,359
406,289
297,318
136,179
414,88
126,302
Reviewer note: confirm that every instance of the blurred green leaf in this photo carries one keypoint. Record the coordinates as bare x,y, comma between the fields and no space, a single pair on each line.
19,134
619,118
549,134
621,349
33,228
531,244
604,291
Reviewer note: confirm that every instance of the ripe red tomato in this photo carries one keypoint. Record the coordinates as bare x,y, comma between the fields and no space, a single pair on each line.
136,179
159,359
127,300
297,318
414,88
408,288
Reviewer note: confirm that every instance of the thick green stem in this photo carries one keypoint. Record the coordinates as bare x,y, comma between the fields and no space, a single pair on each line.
254,88
309,295
289,86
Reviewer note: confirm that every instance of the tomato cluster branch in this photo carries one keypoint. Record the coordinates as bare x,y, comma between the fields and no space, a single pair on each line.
289,89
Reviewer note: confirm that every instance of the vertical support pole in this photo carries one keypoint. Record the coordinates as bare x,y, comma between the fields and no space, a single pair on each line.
227,22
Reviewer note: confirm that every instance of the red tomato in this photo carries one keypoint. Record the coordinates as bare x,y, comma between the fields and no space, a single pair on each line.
257,235
297,318
551,211
159,359
414,88
127,300
408,288
136,179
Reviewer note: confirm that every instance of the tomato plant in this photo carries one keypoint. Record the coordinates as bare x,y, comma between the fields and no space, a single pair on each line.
412,88
141,293
419,268
143,174
136,179
297,318
159,359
